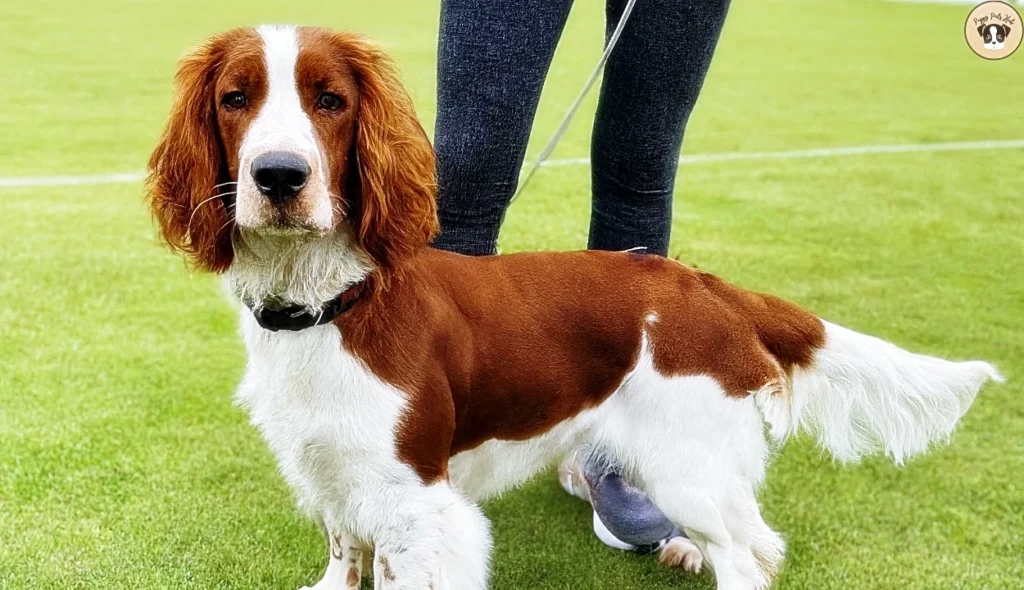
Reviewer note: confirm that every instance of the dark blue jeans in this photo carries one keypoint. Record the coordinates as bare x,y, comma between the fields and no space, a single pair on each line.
493,56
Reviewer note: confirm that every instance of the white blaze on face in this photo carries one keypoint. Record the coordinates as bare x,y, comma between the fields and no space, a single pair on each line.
282,126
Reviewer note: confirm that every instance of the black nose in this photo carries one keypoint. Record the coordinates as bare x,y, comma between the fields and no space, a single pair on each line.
280,175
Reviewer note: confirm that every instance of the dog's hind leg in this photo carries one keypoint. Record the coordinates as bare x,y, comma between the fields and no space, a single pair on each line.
723,538
699,455
748,528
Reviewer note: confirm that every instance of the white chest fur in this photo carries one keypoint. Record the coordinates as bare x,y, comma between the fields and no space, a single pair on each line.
329,421
332,424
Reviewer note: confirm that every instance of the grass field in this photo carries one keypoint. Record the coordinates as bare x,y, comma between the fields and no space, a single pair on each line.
123,463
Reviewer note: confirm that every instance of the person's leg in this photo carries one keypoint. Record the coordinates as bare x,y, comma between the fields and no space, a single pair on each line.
651,83
492,58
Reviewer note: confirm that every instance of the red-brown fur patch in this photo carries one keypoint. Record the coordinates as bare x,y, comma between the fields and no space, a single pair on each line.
323,68
506,347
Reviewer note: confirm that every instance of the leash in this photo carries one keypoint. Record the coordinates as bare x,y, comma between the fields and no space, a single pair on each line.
564,125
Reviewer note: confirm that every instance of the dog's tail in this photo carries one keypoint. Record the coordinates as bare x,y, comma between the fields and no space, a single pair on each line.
858,394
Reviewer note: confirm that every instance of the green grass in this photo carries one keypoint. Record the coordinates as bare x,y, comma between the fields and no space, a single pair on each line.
123,463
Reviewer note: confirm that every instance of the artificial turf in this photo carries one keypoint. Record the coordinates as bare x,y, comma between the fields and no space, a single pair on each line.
123,463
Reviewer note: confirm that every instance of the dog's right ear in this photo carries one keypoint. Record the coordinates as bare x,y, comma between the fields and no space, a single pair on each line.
981,30
187,166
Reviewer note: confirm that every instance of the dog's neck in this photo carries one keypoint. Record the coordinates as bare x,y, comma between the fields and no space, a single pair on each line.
283,270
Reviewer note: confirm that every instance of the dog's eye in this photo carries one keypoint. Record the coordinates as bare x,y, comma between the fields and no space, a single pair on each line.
235,100
329,102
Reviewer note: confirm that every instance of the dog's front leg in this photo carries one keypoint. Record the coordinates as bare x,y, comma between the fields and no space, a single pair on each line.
346,557
435,540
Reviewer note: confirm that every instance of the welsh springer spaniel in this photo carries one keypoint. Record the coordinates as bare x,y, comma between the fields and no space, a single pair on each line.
397,384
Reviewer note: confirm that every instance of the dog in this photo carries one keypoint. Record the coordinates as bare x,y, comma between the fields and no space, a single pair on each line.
398,385
994,35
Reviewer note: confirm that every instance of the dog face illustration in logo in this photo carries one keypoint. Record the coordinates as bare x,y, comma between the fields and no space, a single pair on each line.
994,35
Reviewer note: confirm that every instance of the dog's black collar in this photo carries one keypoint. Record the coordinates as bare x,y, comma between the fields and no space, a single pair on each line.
298,317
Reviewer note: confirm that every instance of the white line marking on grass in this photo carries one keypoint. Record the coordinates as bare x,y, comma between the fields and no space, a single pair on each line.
30,181
857,150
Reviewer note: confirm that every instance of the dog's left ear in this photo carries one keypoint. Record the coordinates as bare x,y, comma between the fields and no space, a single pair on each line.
1006,30
397,211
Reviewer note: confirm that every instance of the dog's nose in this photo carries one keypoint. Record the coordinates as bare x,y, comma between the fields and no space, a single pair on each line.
280,175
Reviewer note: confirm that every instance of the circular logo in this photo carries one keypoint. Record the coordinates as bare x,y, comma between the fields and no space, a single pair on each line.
993,30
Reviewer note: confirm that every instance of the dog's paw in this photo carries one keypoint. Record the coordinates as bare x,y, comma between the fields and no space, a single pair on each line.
682,553
570,475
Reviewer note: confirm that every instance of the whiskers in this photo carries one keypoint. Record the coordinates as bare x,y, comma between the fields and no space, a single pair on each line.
231,192
230,221
336,202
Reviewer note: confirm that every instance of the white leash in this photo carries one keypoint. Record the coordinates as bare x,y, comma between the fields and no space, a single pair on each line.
564,125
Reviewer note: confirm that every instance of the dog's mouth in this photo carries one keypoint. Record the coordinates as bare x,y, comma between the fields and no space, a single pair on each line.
285,228
284,224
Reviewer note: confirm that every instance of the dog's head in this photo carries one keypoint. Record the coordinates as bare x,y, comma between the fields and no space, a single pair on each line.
291,131
994,35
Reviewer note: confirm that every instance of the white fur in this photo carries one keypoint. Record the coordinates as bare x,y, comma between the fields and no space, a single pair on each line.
498,465
344,565
304,270
700,456
862,394
282,125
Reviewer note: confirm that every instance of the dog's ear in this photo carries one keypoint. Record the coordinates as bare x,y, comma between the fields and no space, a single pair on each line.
981,30
397,211
1006,30
188,164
